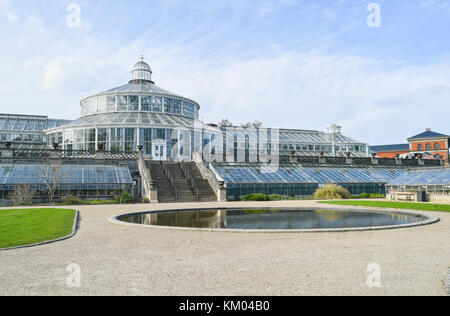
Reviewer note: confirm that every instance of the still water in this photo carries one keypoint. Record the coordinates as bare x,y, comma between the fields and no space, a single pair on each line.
272,219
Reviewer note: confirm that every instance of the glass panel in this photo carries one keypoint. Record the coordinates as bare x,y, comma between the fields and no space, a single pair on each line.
147,132
189,110
5,137
168,105
110,103
79,136
130,134
116,138
102,135
133,103
122,103
90,135
160,134
101,104
157,104
177,106
146,103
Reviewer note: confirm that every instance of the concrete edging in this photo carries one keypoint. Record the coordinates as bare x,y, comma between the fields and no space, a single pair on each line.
74,231
429,219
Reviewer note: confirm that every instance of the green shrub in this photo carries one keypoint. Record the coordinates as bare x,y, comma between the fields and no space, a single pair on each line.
332,192
97,202
256,197
23,204
70,200
376,196
364,195
124,198
277,197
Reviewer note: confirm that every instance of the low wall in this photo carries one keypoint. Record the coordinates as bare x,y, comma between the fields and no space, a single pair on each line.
434,197
412,197
402,197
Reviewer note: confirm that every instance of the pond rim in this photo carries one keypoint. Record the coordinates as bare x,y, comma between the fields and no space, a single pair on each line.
428,220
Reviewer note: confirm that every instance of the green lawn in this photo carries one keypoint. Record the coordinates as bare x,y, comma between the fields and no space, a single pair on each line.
399,205
30,226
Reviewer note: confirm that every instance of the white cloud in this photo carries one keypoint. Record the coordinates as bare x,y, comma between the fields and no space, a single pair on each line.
5,8
54,74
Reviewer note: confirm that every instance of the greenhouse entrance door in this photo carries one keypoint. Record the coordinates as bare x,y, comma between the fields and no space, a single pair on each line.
159,150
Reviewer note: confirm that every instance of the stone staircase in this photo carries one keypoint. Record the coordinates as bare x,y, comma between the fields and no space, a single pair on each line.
206,193
160,181
184,190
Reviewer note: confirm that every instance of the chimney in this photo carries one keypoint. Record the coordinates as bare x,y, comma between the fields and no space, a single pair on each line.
428,130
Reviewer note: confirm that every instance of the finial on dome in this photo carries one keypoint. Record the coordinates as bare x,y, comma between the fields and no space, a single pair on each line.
142,73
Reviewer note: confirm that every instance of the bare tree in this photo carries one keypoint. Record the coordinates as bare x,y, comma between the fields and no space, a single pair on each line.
51,176
23,194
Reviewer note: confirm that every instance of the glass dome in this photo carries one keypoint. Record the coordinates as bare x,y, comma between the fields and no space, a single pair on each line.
138,113
141,72
140,95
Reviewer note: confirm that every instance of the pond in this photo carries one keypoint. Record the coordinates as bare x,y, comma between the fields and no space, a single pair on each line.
278,219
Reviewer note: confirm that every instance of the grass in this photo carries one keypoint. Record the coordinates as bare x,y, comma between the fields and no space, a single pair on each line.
30,226
396,205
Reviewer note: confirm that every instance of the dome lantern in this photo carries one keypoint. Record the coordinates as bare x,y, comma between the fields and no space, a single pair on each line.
141,72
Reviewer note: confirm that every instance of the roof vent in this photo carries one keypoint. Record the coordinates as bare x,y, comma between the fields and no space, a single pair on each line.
334,131
142,73
428,130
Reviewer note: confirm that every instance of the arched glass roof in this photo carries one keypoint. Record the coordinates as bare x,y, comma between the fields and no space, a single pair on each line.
141,88
252,174
15,174
28,123
314,137
439,176
140,84
133,118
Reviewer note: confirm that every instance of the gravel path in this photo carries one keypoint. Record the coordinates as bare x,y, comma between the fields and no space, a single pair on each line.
122,260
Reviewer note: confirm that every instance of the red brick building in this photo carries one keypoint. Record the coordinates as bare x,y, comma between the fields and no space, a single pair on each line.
428,143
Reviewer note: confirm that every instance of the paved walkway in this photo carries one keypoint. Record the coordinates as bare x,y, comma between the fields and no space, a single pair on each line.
121,260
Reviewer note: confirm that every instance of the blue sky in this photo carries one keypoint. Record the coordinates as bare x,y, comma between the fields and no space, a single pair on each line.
288,63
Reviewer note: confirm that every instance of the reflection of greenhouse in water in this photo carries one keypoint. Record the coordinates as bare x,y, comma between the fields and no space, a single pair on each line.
198,219
271,219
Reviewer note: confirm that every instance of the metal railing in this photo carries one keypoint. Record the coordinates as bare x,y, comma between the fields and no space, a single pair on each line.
188,175
70,154
170,178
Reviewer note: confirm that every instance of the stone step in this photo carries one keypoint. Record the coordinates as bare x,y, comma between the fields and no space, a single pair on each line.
185,192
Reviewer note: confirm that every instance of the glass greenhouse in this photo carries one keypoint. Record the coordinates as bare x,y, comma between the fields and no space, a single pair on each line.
26,129
100,181
140,116
431,180
167,126
136,114
291,180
